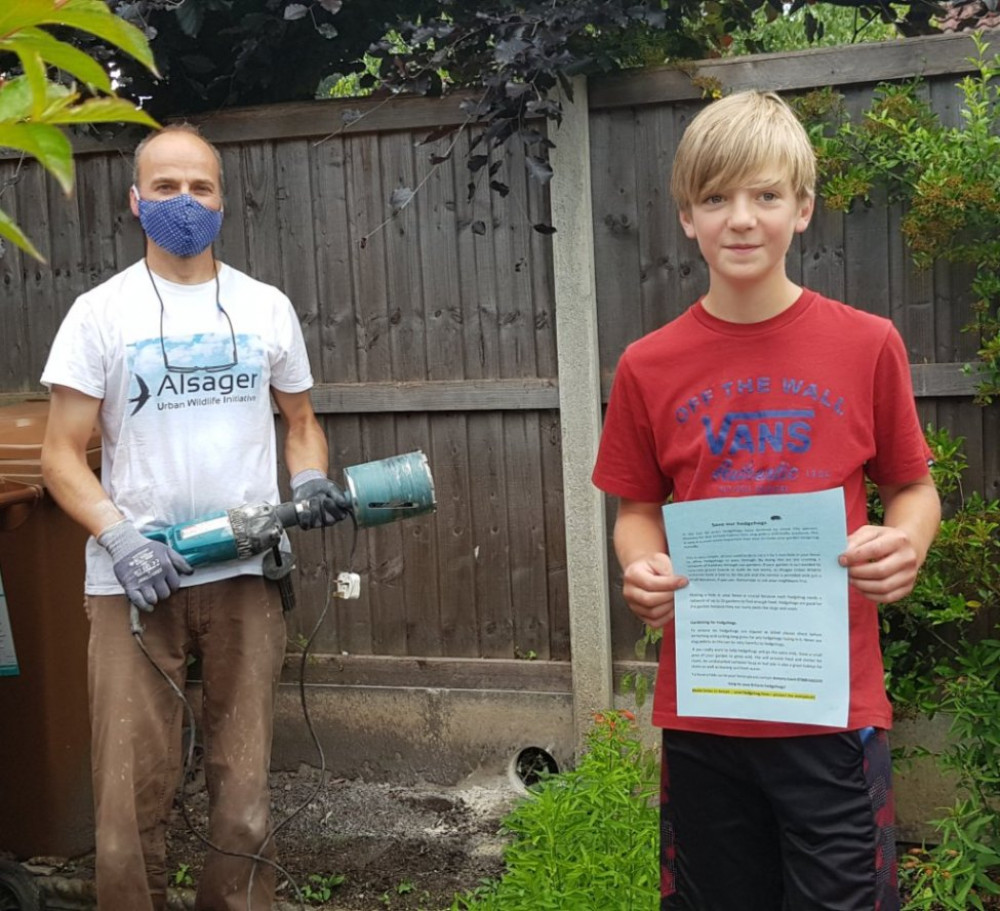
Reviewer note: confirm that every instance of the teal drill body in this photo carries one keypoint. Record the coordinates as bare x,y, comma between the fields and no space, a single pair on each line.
229,534
209,539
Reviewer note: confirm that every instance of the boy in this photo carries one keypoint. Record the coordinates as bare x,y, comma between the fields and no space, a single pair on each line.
757,815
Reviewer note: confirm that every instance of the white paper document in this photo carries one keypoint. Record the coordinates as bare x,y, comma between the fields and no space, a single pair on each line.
8,657
762,626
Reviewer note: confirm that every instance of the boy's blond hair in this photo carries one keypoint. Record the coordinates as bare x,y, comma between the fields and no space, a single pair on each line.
738,139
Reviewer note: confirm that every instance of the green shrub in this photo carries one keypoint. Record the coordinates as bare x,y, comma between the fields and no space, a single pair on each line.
959,583
941,659
586,838
948,179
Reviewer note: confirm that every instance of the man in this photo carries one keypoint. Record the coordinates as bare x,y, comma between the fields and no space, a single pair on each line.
176,358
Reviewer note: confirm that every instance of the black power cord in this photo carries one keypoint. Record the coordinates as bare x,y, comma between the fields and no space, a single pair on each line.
257,857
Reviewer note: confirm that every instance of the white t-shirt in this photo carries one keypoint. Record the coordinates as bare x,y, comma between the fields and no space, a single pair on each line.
186,420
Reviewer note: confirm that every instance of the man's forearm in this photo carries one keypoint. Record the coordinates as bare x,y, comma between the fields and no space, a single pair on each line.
305,441
75,487
306,447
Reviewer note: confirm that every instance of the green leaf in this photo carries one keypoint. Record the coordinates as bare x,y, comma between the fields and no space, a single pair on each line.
15,99
59,99
60,54
34,72
103,110
16,236
28,13
44,142
15,16
91,16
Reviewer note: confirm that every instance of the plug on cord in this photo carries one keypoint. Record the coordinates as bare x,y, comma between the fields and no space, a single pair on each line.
347,586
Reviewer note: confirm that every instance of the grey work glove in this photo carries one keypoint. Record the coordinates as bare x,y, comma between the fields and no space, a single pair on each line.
147,570
318,501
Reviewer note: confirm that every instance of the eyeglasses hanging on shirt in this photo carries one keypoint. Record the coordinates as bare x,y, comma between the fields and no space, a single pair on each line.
188,368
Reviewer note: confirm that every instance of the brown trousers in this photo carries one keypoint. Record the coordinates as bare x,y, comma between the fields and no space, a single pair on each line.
237,628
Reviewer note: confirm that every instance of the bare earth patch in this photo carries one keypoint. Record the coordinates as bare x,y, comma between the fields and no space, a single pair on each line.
398,848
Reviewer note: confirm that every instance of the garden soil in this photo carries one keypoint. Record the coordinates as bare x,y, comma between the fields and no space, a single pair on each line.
396,848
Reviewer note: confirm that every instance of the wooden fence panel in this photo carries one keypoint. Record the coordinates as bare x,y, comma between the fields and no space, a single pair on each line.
428,299
434,327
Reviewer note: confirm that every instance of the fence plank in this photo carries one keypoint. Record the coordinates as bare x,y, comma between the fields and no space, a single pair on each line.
657,223
555,538
837,66
17,371
38,286
457,547
231,245
294,194
260,205
397,618
526,515
488,498
447,314
616,217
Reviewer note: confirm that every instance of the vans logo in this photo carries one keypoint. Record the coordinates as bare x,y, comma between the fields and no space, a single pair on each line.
760,432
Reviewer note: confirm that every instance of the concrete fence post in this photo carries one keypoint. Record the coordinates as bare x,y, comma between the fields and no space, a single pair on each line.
580,411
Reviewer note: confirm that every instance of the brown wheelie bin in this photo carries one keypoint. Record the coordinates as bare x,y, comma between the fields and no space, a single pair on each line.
45,791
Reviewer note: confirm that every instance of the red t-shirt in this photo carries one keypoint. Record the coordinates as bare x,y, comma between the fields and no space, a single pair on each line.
815,398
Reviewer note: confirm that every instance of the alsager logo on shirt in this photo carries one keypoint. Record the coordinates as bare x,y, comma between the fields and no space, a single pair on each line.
184,391
194,372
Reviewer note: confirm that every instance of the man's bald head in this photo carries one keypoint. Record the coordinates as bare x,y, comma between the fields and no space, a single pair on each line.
174,128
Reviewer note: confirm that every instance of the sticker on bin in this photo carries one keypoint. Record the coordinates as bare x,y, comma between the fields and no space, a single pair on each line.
8,657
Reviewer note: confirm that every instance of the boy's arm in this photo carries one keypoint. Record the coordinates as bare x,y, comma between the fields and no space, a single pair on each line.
883,560
649,580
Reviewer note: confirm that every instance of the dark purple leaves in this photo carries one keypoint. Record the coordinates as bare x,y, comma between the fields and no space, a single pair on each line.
506,52
516,57
516,89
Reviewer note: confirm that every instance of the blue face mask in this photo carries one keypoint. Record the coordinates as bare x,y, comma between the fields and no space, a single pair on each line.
180,225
